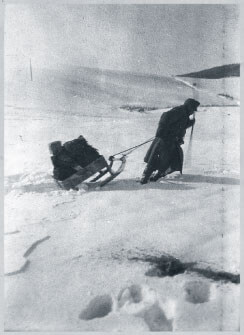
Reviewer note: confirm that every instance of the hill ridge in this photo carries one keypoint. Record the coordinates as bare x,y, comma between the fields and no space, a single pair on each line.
217,72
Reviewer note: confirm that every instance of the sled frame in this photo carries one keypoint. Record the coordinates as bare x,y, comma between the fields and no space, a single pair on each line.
99,166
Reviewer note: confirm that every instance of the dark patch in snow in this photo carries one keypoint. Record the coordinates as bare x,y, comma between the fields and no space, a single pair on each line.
167,265
193,178
218,275
139,109
12,232
197,292
34,245
98,307
21,270
227,96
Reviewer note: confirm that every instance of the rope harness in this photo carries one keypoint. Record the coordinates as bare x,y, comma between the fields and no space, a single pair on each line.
129,151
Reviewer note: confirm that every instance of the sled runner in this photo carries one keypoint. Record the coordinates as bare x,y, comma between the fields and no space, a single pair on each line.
99,167
76,161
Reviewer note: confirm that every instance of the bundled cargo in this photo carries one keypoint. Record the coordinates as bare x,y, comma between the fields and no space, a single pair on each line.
76,161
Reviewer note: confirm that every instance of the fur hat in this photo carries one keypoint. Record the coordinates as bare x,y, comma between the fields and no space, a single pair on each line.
191,104
55,147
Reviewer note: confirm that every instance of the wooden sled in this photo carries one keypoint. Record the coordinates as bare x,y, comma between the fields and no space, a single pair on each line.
99,167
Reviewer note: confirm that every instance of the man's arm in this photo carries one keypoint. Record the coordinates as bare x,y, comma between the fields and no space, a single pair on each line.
166,123
191,122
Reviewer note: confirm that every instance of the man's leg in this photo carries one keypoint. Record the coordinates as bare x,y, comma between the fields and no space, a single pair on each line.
146,174
164,166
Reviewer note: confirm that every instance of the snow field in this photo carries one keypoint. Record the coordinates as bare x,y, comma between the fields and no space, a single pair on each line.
64,250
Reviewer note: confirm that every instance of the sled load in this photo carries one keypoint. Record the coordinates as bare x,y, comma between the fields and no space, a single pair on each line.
76,161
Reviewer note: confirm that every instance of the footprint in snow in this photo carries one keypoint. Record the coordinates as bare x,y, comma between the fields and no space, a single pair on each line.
132,294
142,302
197,292
98,307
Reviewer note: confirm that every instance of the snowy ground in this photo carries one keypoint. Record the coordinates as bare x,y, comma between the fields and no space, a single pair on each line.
68,255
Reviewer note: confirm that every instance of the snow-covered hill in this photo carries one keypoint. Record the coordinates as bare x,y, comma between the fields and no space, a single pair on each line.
217,72
71,89
77,261
228,89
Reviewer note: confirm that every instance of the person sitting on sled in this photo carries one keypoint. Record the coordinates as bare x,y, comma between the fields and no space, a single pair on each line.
165,154
70,157
64,165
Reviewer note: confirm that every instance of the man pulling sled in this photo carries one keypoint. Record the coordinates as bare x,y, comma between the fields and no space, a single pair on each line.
165,154
76,161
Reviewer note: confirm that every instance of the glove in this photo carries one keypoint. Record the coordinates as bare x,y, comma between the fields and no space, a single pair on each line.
180,140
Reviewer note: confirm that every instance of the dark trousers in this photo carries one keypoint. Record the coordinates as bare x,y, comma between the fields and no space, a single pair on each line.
164,161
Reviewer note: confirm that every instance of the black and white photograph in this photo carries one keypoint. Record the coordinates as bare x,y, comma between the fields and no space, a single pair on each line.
121,167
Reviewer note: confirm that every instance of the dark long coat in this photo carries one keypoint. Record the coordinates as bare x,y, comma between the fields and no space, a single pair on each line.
165,151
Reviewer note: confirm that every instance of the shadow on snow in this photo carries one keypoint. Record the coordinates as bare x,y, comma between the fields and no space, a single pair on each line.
130,184
195,178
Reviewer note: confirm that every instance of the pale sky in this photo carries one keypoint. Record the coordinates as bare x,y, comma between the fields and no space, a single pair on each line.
158,39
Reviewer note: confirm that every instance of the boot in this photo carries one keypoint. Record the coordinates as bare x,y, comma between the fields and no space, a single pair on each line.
146,175
144,180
